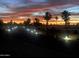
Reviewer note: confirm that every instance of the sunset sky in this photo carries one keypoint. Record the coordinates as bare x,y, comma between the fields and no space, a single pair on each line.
10,8
28,7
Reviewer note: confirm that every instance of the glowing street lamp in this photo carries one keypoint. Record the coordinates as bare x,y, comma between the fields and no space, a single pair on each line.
8,30
67,38
27,29
32,31
36,33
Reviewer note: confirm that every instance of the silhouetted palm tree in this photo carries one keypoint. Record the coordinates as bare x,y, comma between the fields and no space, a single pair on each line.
27,22
47,17
56,19
37,22
65,16
11,22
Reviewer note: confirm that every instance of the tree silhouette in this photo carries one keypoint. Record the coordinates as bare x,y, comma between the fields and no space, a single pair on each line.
56,19
36,20
37,23
47,17
11,22
27,22
1,28
65,15
1,24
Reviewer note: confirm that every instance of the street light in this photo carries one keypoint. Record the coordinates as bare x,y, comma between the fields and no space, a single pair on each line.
67,38
33,32
9,30
28,29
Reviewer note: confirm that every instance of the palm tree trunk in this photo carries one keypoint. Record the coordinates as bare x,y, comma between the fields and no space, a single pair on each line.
47,23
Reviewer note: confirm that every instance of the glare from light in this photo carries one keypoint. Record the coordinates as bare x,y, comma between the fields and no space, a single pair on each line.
32,31
12,28
9,30
15,27
67,38
27,29
36,33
